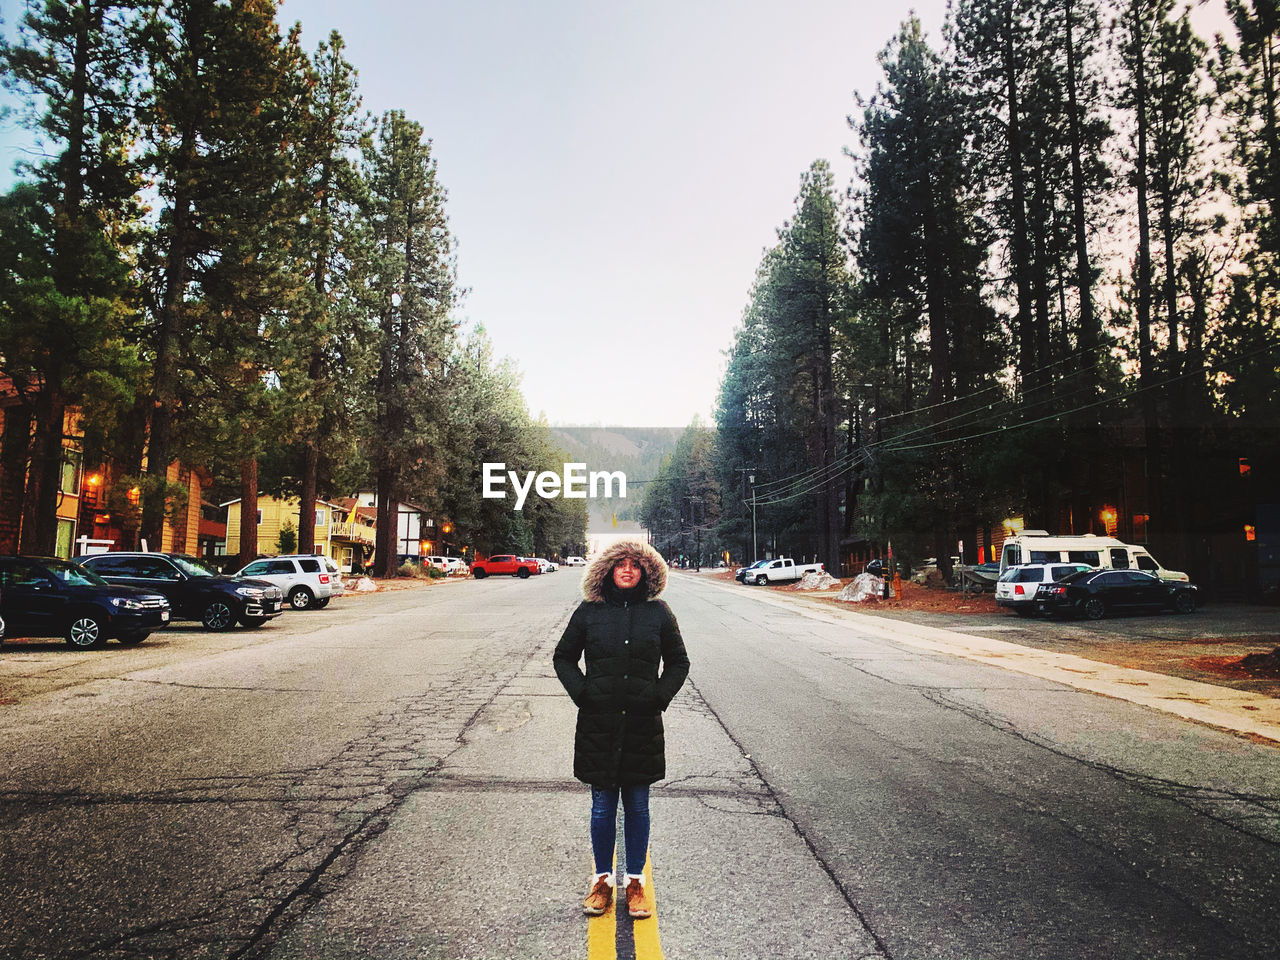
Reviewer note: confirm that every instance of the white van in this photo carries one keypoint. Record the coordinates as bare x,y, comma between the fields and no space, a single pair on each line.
1036,546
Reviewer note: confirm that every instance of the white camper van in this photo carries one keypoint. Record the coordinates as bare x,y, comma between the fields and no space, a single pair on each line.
1036,546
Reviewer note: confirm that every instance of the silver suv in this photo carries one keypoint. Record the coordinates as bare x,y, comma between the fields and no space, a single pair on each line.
1016,588
308,581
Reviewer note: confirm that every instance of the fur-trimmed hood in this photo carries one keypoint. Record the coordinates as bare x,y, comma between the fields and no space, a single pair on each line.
651,562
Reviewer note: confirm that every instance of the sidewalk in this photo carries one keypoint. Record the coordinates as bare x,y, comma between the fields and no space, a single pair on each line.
1246,712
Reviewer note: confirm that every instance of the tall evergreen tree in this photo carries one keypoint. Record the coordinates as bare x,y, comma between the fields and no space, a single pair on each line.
330,237
222,112
67,300
409,288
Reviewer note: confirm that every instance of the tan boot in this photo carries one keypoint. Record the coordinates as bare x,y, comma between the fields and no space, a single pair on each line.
637,903
599,898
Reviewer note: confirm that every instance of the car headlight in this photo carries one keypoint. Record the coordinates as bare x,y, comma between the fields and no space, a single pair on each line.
254,592
126,603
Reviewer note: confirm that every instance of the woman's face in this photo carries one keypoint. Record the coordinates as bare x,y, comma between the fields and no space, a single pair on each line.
626,574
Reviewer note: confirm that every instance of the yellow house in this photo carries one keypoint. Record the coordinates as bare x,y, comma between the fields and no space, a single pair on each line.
343,533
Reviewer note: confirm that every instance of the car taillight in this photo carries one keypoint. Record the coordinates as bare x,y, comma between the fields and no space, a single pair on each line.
1017,588
324,578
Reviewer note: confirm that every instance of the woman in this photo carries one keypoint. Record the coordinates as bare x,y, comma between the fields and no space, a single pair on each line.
625,633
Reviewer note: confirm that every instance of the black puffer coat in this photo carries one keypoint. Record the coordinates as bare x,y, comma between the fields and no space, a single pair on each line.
619,738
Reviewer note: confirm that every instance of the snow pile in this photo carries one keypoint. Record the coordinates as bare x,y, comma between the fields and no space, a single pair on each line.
863,587
364,585
816,580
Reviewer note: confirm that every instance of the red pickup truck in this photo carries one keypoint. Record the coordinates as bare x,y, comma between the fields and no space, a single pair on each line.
504,563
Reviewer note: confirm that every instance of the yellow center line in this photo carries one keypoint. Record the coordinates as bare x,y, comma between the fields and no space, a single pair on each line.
602,931
645,932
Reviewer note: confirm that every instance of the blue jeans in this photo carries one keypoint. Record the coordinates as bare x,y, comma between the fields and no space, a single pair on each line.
635,826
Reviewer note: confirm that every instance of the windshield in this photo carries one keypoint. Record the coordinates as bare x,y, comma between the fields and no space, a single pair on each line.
193,567
74,574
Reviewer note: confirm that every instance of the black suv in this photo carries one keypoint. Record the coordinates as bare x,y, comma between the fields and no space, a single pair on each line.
48,597
196,591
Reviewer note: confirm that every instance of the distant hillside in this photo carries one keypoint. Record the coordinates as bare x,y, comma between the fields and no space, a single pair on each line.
636,451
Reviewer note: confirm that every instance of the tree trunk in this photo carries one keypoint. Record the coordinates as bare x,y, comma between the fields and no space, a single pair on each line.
385,552
307,505
1018,204
168,341
1084,272
248,511
40,512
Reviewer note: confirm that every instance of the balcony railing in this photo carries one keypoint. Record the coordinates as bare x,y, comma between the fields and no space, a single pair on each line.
352,531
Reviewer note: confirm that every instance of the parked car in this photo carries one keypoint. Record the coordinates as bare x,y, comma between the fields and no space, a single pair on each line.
741,573
305,579
195,591
1098,593
1017,586
781,570
545,566
575,562
504,563
48,597
449,565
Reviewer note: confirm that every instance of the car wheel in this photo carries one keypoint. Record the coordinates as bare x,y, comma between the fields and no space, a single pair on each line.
254,621
523,573
300,598
131,639
321,604
1094,608
1184,602
218,616
85,632
479,574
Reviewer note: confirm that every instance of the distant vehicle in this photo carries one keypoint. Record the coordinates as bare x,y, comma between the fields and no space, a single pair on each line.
1099,593
545,566
49,597
1016,589
741,573
448,565
504,563
1036,546
195,590
575,562
782,570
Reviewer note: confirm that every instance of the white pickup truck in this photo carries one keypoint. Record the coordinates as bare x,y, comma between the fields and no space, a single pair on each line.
782,570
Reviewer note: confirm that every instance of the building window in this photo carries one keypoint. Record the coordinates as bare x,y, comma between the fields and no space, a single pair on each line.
72,468
322,517
66,539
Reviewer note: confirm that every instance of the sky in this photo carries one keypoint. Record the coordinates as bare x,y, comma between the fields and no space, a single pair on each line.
614,171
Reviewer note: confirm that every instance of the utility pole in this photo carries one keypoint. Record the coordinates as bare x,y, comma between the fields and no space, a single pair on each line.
750,476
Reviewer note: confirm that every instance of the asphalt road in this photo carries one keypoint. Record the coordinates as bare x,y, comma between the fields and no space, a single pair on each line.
390,778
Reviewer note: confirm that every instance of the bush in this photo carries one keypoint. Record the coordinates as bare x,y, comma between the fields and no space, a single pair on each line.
412,570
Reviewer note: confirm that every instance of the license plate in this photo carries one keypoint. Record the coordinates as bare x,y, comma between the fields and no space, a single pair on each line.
164,616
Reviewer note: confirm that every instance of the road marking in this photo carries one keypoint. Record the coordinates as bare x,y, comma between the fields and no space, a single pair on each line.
645,932
602,931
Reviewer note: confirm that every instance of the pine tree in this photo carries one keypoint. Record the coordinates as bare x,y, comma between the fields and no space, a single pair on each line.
329,239
409,289
67,300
